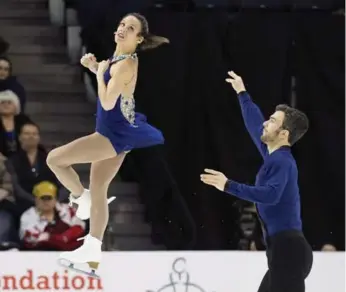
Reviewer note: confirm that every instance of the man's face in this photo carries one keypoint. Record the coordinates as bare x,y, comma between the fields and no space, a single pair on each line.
272,128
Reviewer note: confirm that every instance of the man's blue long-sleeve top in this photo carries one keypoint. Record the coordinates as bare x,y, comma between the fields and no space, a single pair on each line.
276,191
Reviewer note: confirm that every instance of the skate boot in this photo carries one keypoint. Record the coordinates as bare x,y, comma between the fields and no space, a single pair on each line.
90,253
84,204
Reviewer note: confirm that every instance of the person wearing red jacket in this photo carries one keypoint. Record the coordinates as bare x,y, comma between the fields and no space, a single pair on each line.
50,225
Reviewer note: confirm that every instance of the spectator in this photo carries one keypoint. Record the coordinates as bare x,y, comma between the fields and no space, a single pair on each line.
247,225
4,46
7,206
10,82
257,242
11,122
50,225
24,199
30,160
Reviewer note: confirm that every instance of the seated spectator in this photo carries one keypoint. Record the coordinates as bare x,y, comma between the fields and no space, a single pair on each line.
7,204
10,82
24,199
50,225
30,160
247,224
257,242
11,121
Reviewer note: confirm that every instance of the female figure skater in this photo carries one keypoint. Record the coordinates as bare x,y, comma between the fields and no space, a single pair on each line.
118,130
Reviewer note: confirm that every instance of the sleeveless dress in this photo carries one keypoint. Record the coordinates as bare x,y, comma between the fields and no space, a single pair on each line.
123,127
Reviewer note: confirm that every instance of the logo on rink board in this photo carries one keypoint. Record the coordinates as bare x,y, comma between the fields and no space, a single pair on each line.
179,279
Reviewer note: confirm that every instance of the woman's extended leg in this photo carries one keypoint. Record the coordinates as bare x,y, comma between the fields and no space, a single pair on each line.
101,175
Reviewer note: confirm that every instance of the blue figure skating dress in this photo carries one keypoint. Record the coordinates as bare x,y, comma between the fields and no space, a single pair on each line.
125,128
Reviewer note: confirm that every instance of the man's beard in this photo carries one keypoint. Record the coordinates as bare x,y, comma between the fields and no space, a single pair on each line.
265,138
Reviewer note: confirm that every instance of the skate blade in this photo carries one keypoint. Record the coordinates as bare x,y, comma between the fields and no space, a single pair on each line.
71,266
110,200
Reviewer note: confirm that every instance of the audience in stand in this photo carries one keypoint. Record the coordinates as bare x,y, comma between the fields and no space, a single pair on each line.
11,121
25,168
49,225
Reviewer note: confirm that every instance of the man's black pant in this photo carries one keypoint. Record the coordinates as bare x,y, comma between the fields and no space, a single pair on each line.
289,261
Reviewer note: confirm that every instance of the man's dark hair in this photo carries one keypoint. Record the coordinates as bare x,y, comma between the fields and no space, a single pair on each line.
295,122
29,124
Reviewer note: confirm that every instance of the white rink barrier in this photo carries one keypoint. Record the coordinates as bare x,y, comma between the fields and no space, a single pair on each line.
161,272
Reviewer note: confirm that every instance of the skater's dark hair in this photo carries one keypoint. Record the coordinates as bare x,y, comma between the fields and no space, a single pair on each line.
150,41
295,122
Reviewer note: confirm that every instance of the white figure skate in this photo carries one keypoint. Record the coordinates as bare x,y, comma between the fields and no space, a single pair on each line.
84,204
89,253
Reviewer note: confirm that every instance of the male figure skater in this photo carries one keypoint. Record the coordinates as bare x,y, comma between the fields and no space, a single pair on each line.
275,193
